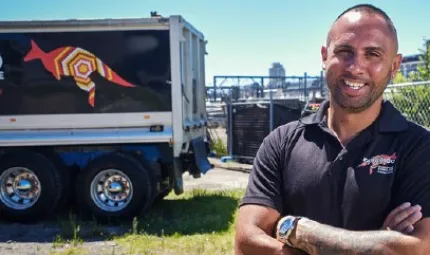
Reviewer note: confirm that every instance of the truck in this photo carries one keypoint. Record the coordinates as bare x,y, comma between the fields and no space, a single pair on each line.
108,113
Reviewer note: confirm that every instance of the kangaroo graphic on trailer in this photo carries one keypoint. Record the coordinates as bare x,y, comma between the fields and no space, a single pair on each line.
77,63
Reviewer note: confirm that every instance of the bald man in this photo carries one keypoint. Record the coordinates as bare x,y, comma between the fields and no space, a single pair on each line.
352,178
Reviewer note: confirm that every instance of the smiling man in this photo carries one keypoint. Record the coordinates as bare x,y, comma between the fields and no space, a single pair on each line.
353,178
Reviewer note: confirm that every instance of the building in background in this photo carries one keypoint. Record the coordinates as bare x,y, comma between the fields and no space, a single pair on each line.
277,70
410,64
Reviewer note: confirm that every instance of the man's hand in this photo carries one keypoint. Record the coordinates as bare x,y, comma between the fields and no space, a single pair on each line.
403,218
254,232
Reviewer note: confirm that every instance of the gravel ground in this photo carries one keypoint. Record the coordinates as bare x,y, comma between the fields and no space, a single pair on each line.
19,239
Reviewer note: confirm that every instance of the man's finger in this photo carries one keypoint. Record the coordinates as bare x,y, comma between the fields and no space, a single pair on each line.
403,215
409,229
409,221
394,212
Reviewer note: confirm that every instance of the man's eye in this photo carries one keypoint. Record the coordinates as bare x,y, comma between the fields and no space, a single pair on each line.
343,52
372,54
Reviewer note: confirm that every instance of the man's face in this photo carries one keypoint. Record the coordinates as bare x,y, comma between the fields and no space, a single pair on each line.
360,60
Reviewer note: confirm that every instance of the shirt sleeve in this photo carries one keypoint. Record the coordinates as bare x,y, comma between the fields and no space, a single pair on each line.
412,183
264,184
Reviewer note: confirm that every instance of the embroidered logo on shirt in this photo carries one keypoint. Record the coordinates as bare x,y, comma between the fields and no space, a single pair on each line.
383,163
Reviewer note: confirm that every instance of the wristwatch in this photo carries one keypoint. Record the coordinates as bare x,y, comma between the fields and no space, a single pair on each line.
284,229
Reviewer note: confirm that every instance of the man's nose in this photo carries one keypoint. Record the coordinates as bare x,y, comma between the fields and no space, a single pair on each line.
356,65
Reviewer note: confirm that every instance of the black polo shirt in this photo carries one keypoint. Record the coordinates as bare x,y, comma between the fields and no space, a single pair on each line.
302,169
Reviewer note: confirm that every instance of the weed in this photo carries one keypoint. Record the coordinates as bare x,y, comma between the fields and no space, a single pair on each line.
219,147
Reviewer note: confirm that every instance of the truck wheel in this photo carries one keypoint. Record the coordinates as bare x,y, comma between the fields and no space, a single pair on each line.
30,186
115,186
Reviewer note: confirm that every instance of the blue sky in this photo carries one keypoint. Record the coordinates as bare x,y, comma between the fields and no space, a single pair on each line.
244,37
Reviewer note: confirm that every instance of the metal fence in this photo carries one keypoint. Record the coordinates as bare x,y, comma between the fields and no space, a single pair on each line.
412,99
239,88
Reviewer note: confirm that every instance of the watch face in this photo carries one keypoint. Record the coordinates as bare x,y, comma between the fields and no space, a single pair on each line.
286,226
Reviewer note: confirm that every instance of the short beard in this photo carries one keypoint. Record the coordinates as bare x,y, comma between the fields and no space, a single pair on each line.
376,92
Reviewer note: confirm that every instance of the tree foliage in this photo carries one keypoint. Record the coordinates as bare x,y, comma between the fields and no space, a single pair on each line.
423,72
414,101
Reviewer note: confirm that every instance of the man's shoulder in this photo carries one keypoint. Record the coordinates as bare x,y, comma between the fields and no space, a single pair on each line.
415,142
285,133
417,133
407,130
288,129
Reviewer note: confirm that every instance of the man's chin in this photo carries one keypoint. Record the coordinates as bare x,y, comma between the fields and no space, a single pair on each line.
352,105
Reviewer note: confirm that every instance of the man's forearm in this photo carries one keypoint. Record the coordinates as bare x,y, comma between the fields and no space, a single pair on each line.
318,239
253,240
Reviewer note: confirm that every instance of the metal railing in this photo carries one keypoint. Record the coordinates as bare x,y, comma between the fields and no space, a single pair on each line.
412,99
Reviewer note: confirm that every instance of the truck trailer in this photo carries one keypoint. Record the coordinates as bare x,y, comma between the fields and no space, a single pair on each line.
108,112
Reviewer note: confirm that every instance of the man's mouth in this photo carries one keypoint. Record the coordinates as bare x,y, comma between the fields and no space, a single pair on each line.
354,84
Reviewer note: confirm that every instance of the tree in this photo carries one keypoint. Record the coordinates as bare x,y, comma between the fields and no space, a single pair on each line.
423,72
413,101
399,78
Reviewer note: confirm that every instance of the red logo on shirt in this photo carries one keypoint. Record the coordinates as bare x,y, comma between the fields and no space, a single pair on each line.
380,162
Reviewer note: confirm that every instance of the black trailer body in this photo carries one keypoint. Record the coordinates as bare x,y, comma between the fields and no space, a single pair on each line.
60,72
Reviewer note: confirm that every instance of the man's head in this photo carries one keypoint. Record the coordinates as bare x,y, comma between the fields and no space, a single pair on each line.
360,57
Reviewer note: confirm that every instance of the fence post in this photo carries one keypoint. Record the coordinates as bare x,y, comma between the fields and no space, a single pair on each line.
322,84
214,84
305,86
230,127
271,111
261,88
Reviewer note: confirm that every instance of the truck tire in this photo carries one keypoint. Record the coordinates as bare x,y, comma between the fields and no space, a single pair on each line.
115,186
65,174
30,186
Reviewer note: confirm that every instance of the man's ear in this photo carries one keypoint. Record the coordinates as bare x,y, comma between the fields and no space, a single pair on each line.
323,56
396,64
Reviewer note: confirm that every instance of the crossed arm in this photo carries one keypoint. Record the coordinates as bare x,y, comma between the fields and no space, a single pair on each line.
315,238
254,235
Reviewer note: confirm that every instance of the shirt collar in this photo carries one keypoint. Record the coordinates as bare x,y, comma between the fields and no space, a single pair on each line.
389,120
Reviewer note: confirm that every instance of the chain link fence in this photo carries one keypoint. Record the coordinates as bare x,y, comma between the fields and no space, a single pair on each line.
412,99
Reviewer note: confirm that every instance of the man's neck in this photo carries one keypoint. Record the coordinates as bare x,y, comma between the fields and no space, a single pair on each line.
347,125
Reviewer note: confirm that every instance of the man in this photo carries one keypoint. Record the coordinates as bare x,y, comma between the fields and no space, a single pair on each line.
353,178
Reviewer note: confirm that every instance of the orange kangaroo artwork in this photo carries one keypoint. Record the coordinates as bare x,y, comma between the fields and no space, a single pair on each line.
77,63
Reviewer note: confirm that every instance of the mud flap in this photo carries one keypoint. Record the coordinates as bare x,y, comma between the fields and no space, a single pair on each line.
178,185
200,165
201,155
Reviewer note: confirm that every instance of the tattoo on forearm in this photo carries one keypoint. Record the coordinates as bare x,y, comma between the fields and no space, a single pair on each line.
321,239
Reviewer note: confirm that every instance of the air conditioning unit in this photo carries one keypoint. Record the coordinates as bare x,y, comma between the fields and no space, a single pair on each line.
251,122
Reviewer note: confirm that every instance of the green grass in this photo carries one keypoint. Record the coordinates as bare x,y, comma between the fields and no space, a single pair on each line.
219,147
197,222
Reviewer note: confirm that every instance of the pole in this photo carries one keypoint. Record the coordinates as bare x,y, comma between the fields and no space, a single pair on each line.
214,89
230,127
305,86
271,111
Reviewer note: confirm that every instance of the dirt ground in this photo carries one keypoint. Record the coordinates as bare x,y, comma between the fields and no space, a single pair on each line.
20,239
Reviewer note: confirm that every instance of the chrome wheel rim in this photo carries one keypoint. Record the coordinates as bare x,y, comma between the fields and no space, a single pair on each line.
19,188
111,190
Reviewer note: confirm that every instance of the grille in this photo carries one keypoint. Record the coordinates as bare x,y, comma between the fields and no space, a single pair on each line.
251,124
